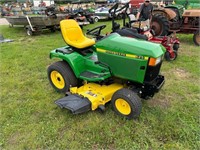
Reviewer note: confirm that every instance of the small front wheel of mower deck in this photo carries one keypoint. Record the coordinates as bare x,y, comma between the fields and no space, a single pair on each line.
176,46
61,76
171,56
196,38
126,103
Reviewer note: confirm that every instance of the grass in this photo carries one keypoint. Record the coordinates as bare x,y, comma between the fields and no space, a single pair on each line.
30,119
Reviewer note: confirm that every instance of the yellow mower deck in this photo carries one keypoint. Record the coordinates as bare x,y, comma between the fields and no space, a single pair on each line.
88,97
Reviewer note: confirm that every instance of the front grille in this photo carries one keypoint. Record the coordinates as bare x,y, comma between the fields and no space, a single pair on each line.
152,72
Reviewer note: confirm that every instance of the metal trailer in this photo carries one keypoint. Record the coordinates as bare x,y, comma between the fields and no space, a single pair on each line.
37,23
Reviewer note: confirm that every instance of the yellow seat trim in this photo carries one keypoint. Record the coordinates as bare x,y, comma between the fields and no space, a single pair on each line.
73,35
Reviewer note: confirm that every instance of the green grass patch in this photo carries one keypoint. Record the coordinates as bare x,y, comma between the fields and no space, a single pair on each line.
30,119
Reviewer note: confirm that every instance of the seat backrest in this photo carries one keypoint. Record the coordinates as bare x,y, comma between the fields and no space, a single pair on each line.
71,31
73,34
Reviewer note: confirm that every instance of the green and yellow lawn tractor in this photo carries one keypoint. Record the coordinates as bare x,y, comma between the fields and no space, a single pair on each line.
118,69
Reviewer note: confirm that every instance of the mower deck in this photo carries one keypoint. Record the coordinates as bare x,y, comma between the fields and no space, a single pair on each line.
90,96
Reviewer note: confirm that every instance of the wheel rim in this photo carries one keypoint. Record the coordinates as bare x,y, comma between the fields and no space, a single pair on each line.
57,80
156,27
170,56
96,19
198,39
173,55
123,106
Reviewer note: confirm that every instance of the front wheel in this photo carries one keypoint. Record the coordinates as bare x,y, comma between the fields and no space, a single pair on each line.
126,103
171,56
196,38
61,76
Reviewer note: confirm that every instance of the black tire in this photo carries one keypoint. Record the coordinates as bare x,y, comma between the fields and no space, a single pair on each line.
196,38
176,46
129,103
61,76
169,57
53,29
160,25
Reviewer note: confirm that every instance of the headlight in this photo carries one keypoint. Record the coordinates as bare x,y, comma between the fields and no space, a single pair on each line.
155,61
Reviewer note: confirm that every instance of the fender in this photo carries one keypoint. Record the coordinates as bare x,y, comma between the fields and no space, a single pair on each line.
80,63
167,12
74,59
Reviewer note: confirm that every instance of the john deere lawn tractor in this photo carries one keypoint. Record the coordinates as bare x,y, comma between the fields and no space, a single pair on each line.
114,69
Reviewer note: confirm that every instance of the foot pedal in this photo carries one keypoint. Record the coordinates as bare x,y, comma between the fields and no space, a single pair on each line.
74,103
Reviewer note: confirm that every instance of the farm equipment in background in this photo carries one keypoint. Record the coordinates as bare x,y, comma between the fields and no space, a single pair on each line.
143,31
171,16
80,18
118,69
36,23
82,9
174,17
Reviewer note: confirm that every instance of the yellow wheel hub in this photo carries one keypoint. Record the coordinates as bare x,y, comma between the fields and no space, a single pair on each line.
123,106
57,80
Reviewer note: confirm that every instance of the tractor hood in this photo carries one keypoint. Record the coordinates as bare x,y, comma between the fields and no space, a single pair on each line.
125,45
191,13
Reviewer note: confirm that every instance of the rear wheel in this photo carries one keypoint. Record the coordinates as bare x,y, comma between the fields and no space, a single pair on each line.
196,38
126,103
171,56
61,76
160,25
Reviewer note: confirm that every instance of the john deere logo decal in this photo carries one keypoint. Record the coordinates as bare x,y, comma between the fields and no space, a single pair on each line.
115,53
122,54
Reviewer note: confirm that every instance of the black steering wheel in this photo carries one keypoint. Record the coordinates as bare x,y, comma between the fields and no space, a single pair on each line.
96,32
